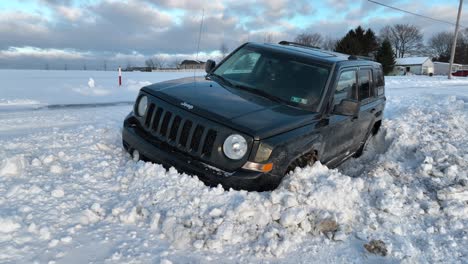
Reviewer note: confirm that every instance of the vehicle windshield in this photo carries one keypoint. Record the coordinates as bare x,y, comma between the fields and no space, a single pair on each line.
275,76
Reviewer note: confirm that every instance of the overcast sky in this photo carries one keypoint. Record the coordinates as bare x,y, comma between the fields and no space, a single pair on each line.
36,33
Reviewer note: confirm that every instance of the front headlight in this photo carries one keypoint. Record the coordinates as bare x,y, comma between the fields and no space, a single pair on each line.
142,105
235,147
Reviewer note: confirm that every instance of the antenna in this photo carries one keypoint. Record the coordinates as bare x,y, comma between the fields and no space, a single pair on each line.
199,39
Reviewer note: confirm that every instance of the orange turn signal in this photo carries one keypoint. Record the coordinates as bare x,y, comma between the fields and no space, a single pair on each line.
267,167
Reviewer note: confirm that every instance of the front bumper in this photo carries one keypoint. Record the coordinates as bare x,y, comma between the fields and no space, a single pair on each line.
166,155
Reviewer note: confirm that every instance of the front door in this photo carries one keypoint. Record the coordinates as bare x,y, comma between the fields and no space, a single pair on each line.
339,136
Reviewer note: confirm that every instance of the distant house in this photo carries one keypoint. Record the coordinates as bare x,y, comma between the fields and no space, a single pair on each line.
442,68
192,64
413,65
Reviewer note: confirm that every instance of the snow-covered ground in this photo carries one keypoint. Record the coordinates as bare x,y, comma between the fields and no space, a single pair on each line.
70,194
39,88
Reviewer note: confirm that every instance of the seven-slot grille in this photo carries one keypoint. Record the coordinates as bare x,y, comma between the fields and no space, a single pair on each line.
179,131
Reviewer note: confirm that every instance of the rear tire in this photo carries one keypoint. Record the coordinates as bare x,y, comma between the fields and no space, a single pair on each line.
363,147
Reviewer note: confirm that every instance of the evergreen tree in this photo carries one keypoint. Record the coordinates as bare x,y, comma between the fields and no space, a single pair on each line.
386,56
370,43
358,42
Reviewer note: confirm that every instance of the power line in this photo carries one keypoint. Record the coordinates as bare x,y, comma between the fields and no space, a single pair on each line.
415,14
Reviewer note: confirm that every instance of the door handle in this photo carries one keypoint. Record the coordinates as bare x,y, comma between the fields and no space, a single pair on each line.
354,118
372,110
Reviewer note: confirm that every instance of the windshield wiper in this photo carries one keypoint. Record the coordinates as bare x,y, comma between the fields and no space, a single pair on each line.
249,89
261,93
226,81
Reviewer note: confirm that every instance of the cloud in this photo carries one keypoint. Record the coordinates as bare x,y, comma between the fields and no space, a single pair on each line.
32,52
132,30
70,13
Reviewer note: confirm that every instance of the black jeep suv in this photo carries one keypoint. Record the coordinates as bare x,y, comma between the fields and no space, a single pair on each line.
264,110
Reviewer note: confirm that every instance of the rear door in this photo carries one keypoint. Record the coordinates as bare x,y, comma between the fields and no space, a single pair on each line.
369,105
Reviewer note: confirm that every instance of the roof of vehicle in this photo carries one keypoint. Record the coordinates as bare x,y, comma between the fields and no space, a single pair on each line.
314,52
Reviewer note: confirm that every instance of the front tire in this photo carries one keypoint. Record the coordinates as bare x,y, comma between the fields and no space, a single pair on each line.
307,159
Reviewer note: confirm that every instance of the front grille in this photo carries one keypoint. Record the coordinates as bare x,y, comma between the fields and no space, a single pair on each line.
179,131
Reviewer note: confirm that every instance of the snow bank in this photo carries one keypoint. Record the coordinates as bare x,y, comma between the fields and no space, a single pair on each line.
260,223
69,193
15,104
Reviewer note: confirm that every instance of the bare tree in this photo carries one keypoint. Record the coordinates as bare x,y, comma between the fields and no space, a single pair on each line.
314,39
441,44
105,65
224,50
149,63
329,43
404,38
159,61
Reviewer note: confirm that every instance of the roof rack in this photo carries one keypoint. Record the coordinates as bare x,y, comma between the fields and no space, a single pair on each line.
289,43
357,57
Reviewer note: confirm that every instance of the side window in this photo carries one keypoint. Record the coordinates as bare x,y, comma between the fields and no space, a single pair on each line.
365,84
345,87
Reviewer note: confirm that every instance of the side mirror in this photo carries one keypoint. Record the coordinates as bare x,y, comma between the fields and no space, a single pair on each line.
209,65
347,107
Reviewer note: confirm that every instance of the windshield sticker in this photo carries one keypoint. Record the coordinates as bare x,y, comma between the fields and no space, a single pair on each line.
299,100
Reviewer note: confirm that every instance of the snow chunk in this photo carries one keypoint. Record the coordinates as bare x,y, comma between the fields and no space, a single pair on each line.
292,216
13,166
58,193
133,215
56,168
8,225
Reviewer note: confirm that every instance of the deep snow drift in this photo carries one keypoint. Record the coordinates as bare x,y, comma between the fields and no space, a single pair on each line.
69,193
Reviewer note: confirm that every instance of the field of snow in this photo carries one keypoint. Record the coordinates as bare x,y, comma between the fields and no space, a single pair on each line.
70,194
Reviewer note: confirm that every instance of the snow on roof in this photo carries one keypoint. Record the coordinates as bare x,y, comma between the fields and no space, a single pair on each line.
411,60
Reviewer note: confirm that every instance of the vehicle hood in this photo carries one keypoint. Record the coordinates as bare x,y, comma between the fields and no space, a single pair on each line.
240,110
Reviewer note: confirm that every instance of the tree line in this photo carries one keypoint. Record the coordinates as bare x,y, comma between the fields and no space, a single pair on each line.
396,41
160,62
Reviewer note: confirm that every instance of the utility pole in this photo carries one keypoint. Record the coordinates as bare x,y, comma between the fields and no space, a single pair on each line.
454,43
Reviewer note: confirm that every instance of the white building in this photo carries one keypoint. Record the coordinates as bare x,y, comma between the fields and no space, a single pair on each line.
441,68
414,65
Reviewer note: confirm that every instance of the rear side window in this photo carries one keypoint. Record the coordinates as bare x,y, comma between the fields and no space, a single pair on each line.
380,78
346,86
365,84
